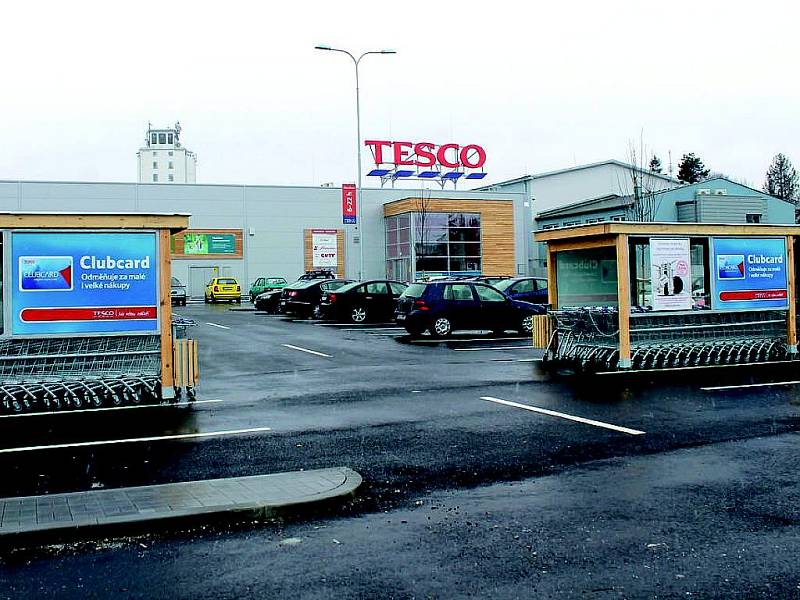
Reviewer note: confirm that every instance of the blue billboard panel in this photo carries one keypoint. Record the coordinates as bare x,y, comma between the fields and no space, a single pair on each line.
749,273
84,283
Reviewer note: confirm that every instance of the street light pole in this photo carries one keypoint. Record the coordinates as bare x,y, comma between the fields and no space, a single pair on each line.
359,199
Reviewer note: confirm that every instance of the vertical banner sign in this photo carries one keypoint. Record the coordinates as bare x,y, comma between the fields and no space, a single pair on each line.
749,273
324,248
84,283
670,274
349,203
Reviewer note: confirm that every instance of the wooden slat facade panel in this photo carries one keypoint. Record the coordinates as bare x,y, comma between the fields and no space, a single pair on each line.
308,252
497,227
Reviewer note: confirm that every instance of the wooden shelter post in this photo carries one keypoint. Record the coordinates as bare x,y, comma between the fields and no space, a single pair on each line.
624,301
791,326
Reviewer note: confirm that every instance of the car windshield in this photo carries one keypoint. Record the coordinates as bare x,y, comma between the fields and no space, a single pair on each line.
336,285
276,280
415,290
301,285
226,281
176,283
503,285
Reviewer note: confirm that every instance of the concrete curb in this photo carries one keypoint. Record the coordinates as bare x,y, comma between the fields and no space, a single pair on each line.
312,491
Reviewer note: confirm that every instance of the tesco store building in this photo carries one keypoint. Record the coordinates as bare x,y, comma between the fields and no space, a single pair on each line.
251,231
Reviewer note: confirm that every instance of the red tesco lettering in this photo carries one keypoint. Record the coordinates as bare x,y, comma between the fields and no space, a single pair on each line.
426,154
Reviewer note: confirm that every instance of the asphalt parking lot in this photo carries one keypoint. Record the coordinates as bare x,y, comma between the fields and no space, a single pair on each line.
482,475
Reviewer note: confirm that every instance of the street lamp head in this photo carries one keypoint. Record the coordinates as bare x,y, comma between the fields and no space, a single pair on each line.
322,47
387,51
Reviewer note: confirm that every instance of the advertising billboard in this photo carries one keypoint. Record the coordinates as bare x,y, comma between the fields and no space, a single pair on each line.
67,282
209,243
749,273
324,248
670,274
349,213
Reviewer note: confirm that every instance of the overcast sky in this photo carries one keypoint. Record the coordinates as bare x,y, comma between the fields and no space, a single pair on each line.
541,85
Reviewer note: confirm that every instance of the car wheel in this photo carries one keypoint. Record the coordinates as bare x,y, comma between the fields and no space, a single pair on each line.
206,300
252,298
239,300
526,325
441,327
316,312
358,314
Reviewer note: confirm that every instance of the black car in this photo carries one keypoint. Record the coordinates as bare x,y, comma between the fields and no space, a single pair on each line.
177,292
302,298
269,301
445,306
362,301
317,274
527,289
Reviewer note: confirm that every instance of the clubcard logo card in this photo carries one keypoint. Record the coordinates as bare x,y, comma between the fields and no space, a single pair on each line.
730,266
45,273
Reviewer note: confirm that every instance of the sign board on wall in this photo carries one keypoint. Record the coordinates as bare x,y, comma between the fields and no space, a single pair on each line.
324,248
84,283
587,277
209,243
749,273
670,274
349,204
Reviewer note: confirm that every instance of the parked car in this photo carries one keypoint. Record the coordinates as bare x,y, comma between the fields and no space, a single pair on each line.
177,292
492,280
528,289
362,301
269,301
302,298
265,284
223,288
445,306
317,274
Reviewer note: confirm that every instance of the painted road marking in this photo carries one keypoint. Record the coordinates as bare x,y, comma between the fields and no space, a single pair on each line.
482,339
371,329
355,327
157,438
493,348
307,350
68,411
749,385
524,360
553,413
220,326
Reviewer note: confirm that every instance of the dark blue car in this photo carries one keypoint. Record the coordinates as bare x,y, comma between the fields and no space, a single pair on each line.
527,289
442,307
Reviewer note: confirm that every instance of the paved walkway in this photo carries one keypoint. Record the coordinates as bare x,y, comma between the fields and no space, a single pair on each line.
247,497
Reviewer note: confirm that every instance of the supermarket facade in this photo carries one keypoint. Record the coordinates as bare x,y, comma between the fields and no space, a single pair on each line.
254,231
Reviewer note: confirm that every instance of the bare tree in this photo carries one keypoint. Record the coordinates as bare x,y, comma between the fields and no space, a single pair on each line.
641,183
421,231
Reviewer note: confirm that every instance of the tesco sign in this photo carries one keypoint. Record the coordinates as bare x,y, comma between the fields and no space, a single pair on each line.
427,154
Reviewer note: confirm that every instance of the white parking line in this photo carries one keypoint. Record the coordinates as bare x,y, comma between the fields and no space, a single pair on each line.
220,326
157,438
493,348
483,339
307,350
553,413
108,408
749,385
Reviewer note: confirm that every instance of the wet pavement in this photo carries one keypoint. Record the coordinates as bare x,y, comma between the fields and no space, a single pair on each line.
597,511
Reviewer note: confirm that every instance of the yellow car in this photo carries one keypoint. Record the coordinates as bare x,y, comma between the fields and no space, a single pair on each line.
223,288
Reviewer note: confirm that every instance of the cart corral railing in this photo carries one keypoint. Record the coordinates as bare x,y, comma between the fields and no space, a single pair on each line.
588,338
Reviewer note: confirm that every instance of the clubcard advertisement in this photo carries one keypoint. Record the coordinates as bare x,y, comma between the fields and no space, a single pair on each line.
84,283
749,273
670,274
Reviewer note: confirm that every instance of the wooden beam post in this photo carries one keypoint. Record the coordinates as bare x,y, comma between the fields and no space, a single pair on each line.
165,310
791,326
552,279
624,301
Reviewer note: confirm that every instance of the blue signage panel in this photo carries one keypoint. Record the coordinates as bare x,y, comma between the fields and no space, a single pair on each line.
84,283
749,273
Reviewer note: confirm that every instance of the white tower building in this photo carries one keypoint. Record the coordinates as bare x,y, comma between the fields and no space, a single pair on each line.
163,160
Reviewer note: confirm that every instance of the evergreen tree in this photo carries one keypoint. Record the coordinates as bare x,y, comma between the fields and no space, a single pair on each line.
655,164
691,169
781,179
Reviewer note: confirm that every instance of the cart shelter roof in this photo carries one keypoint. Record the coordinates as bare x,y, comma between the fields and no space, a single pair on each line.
66,220
607,231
